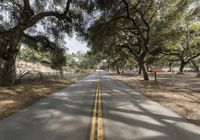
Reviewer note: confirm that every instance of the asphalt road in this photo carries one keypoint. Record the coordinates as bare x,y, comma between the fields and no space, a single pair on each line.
68,115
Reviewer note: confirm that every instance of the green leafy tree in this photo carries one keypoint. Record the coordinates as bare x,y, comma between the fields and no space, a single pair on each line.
21,21
142,27
34,55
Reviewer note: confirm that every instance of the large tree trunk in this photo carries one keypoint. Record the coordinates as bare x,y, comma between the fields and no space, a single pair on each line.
10,41
170,67
10,46
7,73
144,71
117,68
182,66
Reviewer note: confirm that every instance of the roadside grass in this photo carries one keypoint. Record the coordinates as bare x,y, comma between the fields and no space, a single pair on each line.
19,96
184,102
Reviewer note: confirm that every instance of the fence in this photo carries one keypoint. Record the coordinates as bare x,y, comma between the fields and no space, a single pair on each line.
188,80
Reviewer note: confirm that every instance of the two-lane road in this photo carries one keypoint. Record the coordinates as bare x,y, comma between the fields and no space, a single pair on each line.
120,113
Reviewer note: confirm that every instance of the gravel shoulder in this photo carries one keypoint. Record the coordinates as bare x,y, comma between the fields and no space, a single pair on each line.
185,102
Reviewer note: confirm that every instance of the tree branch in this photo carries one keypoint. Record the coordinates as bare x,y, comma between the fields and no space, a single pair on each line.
42,39
42,15
27,13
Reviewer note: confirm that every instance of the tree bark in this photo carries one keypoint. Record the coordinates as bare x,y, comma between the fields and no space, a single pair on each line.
10,46
117,68
182,66
139,70
144,71
170,67
7,73
10,41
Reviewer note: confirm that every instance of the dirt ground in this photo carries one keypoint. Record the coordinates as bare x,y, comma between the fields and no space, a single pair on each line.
183,101
188,80
17,97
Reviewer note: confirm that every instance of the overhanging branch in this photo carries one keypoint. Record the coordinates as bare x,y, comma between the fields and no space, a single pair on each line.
42,15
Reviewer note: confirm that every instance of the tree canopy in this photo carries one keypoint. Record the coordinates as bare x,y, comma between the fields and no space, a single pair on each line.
37,23
120,32
144,28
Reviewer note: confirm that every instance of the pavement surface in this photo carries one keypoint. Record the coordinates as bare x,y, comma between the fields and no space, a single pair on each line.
68,115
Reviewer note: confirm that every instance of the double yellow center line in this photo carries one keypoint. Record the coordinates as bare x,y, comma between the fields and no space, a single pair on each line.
97,122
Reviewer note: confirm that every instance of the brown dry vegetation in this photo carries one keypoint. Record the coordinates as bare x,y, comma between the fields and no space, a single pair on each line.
185,102
17,97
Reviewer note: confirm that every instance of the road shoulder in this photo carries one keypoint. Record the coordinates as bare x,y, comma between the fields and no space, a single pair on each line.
22,95
182,101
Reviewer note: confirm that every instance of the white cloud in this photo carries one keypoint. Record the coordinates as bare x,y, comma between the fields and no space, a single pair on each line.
74,45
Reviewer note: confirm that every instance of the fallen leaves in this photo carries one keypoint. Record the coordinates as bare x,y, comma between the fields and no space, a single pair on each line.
15,98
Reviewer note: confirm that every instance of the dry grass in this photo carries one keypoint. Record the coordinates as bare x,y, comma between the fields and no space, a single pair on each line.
182,101
17,97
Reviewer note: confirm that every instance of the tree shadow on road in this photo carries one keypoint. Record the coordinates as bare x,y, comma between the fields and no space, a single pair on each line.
66,115
128,109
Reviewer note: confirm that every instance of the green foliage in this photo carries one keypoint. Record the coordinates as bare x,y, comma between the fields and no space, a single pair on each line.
89,61
58,59
55,58
55,54
71,62
34,55
140,29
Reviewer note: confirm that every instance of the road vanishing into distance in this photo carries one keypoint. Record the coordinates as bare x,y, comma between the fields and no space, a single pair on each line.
99,107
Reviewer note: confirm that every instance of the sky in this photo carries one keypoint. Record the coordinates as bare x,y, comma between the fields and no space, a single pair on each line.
74,45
